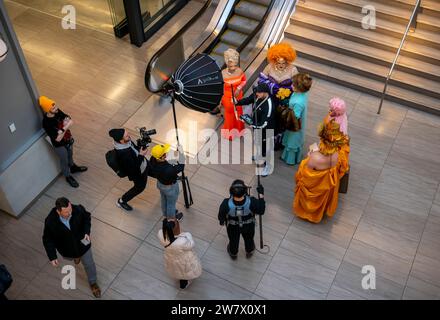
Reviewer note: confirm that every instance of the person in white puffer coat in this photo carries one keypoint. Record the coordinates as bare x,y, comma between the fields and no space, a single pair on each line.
181,262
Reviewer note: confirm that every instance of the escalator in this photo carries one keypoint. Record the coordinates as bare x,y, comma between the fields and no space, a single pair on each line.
246,18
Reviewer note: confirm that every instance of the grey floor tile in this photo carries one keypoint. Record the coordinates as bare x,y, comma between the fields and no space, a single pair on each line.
111,294
137,223
373,122
26,230
302,270
277,217
41,208
387,266
138,285
274,286
349,278
386,239
313,248
426,269
417,289
112,248
212,287
423,117
337,293
5,218
405,191
243,272
336,232
408,224
430,243
347,212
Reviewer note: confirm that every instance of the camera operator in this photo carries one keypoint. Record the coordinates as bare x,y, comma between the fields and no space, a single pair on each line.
263,113
166,175
238,212
132,161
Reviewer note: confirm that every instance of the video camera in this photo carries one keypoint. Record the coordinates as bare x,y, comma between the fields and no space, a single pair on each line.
145,138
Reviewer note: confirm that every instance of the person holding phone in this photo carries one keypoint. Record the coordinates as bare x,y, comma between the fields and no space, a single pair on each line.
67,230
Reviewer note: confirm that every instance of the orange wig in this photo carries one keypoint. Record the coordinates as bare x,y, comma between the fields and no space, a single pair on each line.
281,50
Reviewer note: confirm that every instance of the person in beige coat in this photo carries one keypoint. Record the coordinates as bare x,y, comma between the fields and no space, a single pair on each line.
181,262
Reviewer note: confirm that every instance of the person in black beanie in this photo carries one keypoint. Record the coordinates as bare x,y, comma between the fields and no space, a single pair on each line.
133,162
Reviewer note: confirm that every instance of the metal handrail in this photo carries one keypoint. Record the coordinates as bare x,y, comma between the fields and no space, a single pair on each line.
410,23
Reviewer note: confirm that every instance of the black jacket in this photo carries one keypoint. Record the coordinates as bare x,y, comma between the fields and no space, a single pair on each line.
130,163
164,171
57,236
265,111
257,206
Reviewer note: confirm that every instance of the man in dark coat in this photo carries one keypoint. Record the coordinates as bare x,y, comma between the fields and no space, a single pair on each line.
67,230
132,162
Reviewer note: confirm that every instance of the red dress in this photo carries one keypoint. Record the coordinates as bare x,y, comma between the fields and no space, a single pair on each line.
231,116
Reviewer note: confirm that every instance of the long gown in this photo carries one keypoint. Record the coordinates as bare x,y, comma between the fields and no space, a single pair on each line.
232,126
293,142
316,192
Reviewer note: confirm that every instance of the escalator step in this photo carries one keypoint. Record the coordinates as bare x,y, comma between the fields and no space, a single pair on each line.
262,2
242,24
250,10
218,59
233,37
222,47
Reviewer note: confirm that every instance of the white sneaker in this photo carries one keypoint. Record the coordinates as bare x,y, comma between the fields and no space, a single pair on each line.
266,171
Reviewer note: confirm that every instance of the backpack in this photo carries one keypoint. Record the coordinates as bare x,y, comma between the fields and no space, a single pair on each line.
5,279
112,160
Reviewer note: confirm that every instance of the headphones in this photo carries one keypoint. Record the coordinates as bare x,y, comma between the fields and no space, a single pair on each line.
238,188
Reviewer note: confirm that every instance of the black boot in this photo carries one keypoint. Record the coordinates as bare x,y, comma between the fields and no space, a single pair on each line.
75,168
73,183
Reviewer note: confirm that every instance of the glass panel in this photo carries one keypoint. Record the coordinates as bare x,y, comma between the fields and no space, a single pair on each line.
117,11
151,7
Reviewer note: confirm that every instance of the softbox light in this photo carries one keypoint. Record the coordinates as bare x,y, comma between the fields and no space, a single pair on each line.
198,83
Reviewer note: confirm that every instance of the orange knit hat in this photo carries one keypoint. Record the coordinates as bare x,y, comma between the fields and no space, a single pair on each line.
46,104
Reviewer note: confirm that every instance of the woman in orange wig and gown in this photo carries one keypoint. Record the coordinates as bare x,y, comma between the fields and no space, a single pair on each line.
235,80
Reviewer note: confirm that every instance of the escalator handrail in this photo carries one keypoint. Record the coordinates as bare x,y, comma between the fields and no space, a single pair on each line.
257,29
171,41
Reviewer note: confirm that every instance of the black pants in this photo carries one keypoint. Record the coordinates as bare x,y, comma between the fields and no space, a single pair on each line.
183,284
247,231
140,182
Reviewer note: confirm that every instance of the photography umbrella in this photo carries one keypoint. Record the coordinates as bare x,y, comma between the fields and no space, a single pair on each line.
198,85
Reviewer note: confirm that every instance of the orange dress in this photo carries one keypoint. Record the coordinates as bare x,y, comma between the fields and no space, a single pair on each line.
231,119
316,192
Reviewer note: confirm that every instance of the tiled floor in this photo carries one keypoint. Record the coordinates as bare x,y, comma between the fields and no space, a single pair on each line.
390,218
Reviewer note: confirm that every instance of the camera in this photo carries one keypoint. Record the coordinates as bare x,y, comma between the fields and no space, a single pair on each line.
145,138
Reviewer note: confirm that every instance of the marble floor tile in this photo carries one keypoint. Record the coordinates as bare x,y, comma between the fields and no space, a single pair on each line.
277,217
387,266
337,232
243,272
408,225
112,248
313,248
26,230
211,287
137,223
138,285
349,278
390,110
337,293
417,289
41,208
14,9
426,269
386,239
111,294
302,270
423,117
405,191
347,212
274,286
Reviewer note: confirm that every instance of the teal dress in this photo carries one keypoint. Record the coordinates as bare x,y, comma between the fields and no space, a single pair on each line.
293,142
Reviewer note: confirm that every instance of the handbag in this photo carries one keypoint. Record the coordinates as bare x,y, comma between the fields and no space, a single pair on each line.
292,122
5,279
343,183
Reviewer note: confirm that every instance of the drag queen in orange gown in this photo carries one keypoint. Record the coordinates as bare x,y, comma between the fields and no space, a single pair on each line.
318,176
235,80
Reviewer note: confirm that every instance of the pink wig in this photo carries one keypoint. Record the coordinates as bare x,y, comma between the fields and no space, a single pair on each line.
338,112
